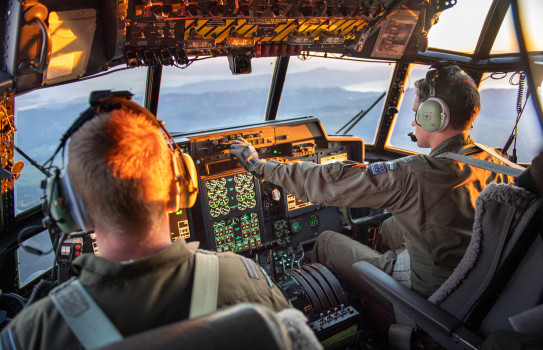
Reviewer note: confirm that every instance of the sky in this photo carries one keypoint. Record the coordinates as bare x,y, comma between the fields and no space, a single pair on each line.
472,13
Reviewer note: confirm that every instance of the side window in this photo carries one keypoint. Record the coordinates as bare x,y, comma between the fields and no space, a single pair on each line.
404,118
42,116
495,122
498,116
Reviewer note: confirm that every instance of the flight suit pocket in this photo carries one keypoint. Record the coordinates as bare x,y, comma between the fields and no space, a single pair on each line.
335,171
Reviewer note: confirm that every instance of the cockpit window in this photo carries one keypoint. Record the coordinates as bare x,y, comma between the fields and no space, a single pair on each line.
493,125
205,95
498,115
530,19
402,123
448,35
42,116
506,40
530,14
336,91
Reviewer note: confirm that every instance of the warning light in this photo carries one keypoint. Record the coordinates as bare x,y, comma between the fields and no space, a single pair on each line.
233,41
198,44
330,39
301,40
276,195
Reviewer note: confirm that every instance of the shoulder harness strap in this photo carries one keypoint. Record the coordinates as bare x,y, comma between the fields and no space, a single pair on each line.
94,329
497,155
510,169
205,287
87,321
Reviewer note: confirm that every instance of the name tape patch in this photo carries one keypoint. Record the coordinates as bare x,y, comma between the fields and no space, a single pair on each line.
391,165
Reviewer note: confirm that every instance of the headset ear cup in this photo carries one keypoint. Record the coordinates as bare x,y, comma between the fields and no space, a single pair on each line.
185,185
59,211
433,115
78,211
192,180
65,207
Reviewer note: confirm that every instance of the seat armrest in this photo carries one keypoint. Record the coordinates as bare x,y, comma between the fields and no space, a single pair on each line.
442,326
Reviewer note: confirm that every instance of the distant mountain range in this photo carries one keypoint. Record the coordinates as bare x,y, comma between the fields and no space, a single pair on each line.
213,104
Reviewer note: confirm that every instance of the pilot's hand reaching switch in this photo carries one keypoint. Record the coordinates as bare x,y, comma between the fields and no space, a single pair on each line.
247,155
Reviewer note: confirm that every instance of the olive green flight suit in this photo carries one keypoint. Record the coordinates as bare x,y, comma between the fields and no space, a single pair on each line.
143,294
432,200
391,233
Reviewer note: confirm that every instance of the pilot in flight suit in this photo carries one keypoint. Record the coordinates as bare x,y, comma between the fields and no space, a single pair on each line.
121,167
140,295
432,199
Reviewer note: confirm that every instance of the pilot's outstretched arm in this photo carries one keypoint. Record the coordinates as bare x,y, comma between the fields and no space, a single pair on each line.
380,185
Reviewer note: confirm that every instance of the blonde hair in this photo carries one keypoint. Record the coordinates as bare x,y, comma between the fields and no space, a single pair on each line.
121,167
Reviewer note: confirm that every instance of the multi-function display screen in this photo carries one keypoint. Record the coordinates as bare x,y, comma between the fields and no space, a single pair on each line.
31,266
334,158
237,233
232,206
179,225
231,194
294,202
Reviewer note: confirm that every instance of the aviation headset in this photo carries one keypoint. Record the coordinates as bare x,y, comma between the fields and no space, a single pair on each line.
65,207
433,113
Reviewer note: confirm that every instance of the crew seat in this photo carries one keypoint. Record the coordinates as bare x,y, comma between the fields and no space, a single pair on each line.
243,326
497,285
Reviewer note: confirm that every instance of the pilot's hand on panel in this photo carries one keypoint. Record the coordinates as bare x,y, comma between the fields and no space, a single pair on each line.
246,154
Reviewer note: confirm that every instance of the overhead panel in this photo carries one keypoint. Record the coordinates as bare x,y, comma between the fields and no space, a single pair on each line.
56,41
265,27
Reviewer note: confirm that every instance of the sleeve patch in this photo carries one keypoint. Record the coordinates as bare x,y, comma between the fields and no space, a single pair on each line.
377,168
391,165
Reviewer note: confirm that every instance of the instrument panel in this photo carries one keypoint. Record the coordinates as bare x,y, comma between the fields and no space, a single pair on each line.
240,213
